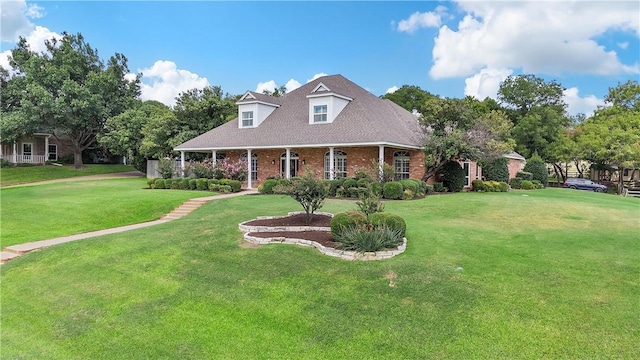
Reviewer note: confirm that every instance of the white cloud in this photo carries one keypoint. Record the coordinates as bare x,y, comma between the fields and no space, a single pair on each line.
419,20
623,45
392,89
268,85
576,104
164,82
35,40
485,83
550,37
292,84
318,75
14,19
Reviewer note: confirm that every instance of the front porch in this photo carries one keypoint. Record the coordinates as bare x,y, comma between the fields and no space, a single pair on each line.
35,149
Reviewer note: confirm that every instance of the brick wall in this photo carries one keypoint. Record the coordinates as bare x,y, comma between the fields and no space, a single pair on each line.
514,166
269,161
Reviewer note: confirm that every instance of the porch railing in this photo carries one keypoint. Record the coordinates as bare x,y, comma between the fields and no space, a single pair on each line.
30,159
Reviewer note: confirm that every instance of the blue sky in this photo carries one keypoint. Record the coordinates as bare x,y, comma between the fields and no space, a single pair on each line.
447,48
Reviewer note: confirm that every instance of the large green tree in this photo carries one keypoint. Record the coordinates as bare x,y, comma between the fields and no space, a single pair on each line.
124,133
410,97
462,129
68,91
612,135
538,112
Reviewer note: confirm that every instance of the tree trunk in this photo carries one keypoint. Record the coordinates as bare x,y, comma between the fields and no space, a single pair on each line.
77,159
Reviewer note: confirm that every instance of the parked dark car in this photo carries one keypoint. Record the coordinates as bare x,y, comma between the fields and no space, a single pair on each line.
584,184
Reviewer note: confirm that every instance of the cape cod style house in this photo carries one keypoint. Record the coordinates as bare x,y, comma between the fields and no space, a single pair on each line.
36,148
329,125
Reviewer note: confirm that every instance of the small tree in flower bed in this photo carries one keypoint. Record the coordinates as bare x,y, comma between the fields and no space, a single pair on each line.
309,192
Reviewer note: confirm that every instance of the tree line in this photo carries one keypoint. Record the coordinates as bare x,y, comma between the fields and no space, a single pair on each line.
70,92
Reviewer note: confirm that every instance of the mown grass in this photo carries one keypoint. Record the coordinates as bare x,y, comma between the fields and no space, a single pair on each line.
553,274
47,211
22,175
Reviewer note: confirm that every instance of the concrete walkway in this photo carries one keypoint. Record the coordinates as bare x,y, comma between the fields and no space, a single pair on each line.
13,251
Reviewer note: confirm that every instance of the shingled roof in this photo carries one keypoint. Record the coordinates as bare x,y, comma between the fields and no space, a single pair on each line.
366,121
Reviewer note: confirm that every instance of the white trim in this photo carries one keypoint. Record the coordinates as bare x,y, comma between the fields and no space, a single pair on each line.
247,95
320,85
287,164
306,146
249,168
332,160
182,163
257,102
380,162
49,153
329,94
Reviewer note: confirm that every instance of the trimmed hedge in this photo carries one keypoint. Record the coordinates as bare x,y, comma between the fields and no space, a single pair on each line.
159,184
516,183
345,220
391,221
477,185
267,186
496,170
538,169
524,175
527,185
236,185
453,176
393,190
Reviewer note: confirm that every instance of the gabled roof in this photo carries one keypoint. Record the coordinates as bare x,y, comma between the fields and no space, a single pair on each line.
366,120
252,96
515,155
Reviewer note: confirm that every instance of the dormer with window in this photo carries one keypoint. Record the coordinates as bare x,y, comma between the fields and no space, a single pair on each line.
325,104
254,108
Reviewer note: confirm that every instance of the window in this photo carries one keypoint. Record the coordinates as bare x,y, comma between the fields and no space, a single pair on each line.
53,152
320,113
401,165
339,167
247,118
466,168
293,164
254,165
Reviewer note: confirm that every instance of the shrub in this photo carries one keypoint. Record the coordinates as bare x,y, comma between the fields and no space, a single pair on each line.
150,182
496,170
184,184
369,203
349,183
527,185
428,189
201,184
225,189
438,187
503,186
352,192
168,183
231,169
408,194
453,176
516,183
202,169
267,186
537,184
411,185
477,185
364,239
491,186
392,190
333,186
176,184
421,186
538,170
158,184
212,182
363,182
309,192
5,163
524,175
391,221
376,188
166,168
344,220
236,185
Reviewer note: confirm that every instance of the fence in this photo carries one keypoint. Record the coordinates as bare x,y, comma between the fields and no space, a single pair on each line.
154,165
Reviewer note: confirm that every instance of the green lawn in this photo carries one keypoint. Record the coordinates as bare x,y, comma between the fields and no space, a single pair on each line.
46,211
22,175
553,274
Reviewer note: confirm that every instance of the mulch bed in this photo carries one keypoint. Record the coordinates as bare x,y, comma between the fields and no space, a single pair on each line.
294,220
322,237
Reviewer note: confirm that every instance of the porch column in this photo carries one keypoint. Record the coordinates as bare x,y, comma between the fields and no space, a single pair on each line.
331,163
182,163
15,152
214,157
380,161
287,171
46,148
249,169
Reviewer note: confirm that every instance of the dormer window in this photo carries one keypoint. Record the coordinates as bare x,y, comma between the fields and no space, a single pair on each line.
247,118
320,113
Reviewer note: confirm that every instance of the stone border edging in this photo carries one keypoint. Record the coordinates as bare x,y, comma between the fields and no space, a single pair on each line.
342,254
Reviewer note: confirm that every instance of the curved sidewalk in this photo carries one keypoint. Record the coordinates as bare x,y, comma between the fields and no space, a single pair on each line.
13,251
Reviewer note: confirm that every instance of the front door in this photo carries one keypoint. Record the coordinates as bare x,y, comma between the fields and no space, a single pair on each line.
293,165
27,151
